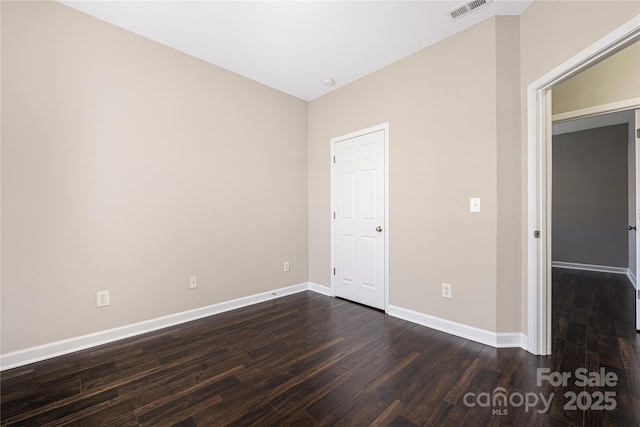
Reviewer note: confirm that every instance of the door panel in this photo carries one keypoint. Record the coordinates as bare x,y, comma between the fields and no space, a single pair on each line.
369,252
358,195
348,258
347,196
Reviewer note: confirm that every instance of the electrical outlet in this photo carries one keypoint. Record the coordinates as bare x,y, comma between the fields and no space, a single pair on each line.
102,298
286,266
446,290
193,282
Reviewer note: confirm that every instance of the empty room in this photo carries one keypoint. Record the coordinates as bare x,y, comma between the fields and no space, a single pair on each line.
416,213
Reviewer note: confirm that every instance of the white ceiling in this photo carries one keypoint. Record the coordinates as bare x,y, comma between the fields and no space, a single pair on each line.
292,46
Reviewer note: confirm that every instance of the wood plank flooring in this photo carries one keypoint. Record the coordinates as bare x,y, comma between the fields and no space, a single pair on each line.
309,360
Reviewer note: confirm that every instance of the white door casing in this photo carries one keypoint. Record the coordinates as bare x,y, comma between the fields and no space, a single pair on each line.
636,133
360,216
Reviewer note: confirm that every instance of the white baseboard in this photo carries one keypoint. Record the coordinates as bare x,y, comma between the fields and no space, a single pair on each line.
632,278
511,340
493,339
590,267
321,289
59,348
599,268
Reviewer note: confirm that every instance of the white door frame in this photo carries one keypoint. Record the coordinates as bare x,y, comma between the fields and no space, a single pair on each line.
539,170
636,140
384,127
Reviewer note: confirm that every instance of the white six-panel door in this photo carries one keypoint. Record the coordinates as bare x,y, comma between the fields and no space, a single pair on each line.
358,181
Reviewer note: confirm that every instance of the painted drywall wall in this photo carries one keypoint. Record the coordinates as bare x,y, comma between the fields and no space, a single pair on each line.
508,134
615,79
590,200
441,105
129,166
627,118
551,32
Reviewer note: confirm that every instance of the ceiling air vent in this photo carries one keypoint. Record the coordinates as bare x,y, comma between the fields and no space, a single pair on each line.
466,8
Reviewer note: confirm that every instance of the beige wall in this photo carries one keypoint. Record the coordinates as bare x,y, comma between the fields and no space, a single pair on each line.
130,167
444,148
508,135
551,32
615,79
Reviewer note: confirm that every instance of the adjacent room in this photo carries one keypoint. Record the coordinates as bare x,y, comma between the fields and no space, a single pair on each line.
319,213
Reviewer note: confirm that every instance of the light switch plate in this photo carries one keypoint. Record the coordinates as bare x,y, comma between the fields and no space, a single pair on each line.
474,204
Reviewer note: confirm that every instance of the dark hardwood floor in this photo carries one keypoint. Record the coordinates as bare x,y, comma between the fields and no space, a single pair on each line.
309,360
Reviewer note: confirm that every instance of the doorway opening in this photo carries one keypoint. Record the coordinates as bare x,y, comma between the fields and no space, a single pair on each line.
593,232
539,226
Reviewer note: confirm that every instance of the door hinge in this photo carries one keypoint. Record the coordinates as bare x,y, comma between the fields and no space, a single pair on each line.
637,133
536,234
334,159
334,271
334,215
638,293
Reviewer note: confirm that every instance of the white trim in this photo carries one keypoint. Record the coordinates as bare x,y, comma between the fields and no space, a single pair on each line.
59,348
384,127
590,267
386,215
611,107
599,268
493,339
634,273
511,340
539,119
321,289
632,278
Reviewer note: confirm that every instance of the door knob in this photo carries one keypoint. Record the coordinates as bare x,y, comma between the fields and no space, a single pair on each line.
632,227
379,229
